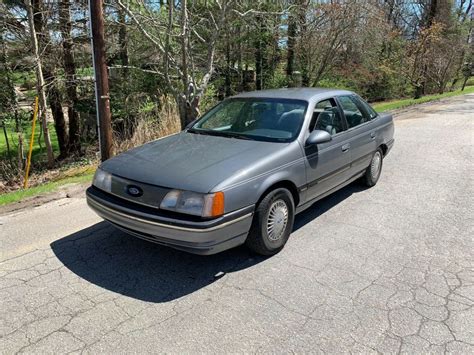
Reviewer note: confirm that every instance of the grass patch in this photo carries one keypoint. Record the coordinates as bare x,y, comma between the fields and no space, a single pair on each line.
39,153
77,175
398,104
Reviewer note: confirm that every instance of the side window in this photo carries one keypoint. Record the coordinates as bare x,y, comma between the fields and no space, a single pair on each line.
326,117
321,105
354,111
371,112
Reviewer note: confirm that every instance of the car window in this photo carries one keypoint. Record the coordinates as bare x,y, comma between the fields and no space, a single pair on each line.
326,117
371,112
321,105
226,116
353,110
268,119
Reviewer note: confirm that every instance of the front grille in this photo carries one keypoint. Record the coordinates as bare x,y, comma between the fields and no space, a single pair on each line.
151,195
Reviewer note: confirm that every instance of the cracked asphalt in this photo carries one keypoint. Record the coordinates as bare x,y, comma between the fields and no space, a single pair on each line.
382,270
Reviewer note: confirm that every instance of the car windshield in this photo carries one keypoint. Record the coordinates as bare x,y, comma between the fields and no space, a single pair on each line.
274,120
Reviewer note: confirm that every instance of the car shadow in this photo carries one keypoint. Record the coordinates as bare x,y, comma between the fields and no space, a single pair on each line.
116,261
322,206
109,258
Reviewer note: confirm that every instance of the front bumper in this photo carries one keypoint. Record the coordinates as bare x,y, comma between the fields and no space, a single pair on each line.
203,237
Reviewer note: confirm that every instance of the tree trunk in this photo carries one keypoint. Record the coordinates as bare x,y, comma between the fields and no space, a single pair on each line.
122,37
184,45
55,98
466,78
188,110
290,56
259,57
40,83
74,144
228,81
54,94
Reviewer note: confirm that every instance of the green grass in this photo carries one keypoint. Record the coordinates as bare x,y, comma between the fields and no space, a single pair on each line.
45,188
398,104
38,154
20,77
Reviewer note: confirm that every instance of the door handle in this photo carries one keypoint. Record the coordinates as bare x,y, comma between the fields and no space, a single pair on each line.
345,147
372,135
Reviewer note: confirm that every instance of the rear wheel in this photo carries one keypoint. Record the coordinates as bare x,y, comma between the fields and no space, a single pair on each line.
372,173
272,222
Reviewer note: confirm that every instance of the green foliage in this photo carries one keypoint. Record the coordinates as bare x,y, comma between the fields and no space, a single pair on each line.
210,98
277,80
382,50
398,104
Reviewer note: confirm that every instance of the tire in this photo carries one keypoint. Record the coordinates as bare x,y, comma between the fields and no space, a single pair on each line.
373,171
262,238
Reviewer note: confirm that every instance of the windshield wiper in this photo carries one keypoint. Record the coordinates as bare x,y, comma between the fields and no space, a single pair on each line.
238,136
219,133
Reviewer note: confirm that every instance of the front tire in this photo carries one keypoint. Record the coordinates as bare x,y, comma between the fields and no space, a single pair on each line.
272,223
372,173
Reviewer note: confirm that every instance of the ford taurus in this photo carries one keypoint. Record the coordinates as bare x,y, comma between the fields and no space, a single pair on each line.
240,173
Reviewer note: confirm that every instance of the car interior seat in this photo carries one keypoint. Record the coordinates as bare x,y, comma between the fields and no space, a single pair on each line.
290,121
325,122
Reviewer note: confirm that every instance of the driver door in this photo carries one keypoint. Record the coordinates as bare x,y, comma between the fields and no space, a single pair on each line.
327,164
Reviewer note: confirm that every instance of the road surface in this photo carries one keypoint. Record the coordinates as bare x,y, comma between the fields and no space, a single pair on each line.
388,269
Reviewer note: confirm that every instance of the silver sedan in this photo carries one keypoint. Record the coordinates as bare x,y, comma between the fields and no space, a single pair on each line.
241,172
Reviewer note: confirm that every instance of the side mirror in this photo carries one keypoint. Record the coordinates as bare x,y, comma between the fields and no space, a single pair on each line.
318,137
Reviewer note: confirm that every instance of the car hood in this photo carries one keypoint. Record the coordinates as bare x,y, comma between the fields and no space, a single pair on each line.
190,161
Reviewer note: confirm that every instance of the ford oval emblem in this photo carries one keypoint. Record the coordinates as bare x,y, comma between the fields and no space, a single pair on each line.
134,191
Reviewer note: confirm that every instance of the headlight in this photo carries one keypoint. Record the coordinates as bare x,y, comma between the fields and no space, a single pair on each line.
102,180
204,205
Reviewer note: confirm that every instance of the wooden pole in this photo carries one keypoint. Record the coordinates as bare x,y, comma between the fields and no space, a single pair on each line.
28,162
101,79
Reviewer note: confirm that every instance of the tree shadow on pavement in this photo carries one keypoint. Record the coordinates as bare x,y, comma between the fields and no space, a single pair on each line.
116,261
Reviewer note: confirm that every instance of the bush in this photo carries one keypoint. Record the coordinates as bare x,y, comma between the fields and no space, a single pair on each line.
148,128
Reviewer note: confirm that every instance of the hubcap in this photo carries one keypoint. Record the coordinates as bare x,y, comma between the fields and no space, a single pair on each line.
277,220
375,166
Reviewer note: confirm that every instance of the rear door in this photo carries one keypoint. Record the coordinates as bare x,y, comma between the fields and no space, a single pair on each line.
361,132
327,164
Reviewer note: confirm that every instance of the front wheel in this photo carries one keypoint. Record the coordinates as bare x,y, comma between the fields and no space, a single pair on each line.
272,222
372,173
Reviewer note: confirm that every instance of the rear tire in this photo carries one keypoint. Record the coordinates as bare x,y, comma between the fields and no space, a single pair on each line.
272,223
372,173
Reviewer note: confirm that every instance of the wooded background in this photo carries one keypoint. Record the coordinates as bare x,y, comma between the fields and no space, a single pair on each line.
170,60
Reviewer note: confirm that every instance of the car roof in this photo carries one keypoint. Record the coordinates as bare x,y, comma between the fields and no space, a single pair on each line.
307,94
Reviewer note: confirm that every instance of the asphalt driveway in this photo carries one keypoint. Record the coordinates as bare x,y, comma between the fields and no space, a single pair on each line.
388,269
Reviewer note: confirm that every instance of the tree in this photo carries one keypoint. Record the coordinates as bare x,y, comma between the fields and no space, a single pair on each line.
40,83
53,92
74,145
181,44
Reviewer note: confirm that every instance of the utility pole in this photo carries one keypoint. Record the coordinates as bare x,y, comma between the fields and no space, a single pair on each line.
102,98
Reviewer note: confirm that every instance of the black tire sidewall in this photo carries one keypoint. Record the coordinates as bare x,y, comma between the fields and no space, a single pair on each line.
371,181
287,198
